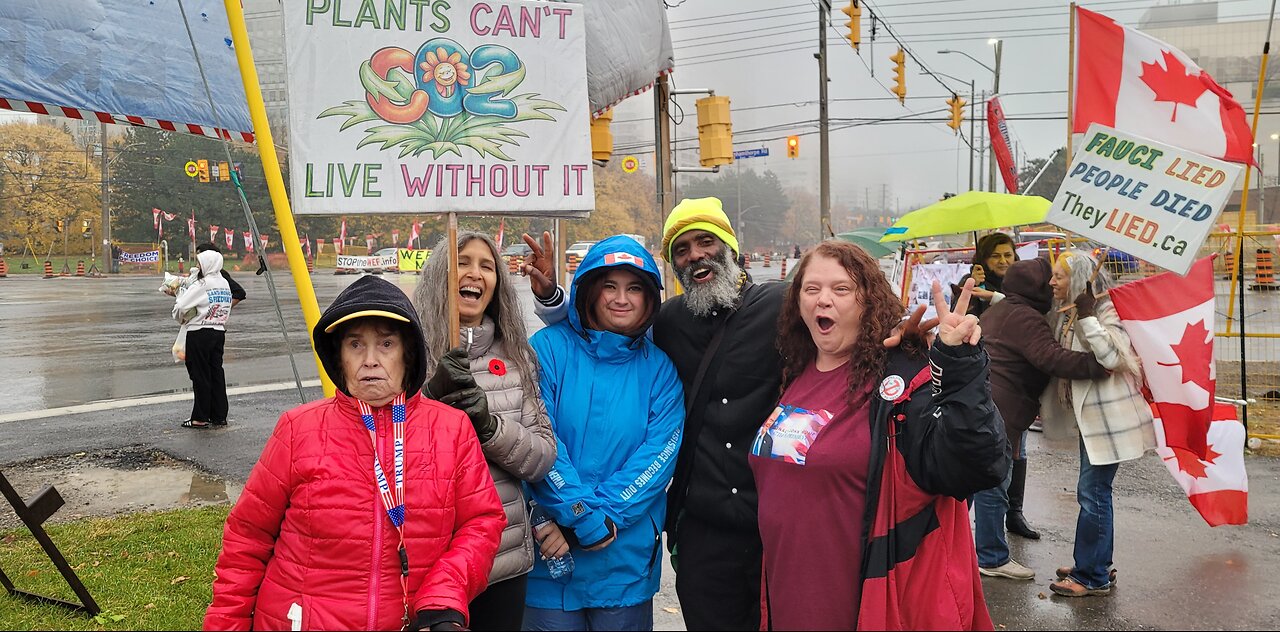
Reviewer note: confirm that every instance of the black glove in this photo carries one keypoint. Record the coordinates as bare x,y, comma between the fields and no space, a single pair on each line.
572,538
438,620
475,404
453,373
1086,303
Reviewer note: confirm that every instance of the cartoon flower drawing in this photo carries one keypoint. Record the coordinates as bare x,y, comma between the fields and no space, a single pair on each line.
447,71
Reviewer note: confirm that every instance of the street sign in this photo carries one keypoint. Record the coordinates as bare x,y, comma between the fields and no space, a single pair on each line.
192,169
630,164
759,152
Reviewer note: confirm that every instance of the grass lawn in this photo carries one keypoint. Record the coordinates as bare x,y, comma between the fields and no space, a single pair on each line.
147,571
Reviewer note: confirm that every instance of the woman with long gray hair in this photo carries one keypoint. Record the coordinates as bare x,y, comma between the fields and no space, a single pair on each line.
491,373
1109,414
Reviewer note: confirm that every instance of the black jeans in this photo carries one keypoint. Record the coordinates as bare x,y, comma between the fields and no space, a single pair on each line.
501,605
718,576
204,366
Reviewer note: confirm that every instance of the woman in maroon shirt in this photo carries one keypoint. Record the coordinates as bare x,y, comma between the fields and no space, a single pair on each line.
858,451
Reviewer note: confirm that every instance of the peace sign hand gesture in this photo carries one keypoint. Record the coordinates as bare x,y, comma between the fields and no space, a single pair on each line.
956,327
539,267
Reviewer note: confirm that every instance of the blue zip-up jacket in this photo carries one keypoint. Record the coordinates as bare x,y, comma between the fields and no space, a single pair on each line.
617,407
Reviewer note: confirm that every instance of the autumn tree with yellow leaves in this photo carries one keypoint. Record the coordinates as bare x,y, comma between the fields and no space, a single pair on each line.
44,178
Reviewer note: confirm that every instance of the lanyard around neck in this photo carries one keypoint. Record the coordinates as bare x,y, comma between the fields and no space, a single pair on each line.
392,498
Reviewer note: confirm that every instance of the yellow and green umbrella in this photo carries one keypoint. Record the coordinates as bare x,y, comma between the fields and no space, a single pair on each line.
972,211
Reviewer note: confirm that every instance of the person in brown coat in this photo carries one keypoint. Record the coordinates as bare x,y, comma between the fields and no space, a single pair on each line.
1025,355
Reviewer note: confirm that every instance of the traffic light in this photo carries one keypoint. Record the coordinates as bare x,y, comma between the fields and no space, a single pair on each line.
899,60
224,172
601,137
793,147
203,166
957,112
60,225
715,131
854,24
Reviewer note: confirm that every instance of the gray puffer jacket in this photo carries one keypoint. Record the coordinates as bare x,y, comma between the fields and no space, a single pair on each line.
523,449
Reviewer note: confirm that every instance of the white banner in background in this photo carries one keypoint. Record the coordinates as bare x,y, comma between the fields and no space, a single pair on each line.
922,278
434,106
356,263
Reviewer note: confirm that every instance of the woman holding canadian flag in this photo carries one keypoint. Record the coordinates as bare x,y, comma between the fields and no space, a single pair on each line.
1109,414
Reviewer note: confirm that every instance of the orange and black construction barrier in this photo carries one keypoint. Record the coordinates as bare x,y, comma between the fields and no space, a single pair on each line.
80,268
48,270
513,264
4,268
783,274
311,264
1264,275
767,257
1231,266
572,264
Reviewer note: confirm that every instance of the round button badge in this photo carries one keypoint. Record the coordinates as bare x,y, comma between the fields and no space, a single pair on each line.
892,388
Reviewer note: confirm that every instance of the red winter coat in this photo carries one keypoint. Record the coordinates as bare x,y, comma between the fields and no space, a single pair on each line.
310,528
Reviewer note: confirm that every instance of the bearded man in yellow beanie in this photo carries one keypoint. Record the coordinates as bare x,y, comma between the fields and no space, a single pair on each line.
720,334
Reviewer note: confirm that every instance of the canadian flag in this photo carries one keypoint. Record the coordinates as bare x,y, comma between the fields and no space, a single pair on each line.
262,241
1170,320
502,228
395,237
342,234
615,258
191,226
230,235
248,241
414,234
213,233
155,217
1131,81
337,245
368,240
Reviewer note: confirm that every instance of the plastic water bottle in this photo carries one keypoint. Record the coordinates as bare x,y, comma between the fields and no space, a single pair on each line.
557,566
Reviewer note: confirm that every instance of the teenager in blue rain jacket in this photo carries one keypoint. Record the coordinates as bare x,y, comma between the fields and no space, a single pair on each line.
617,407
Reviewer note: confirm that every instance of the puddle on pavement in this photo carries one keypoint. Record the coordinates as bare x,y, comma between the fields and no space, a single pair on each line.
116,482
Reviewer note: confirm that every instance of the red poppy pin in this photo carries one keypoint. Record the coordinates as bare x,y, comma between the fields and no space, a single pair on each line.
497,368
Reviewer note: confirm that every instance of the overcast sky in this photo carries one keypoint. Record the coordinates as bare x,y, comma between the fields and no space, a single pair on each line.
770,75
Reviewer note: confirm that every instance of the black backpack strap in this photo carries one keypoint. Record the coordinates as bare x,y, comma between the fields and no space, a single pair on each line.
693,421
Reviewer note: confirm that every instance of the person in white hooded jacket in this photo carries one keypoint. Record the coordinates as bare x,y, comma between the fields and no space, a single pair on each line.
204,309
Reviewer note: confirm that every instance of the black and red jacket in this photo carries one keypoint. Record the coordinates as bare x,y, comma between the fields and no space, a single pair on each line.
933,445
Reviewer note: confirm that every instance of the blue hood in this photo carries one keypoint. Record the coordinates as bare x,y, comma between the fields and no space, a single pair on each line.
614,252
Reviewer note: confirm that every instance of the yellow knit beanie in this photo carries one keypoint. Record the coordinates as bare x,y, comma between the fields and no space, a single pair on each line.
698,214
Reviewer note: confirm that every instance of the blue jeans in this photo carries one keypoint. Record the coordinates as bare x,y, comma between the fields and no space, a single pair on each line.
989,509
637,618
1095,528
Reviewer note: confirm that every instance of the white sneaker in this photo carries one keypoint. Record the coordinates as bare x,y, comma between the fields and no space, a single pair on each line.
1010,570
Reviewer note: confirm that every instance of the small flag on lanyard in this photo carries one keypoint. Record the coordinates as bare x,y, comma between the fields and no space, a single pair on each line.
248,241
213,233
337,245
262,239
230,237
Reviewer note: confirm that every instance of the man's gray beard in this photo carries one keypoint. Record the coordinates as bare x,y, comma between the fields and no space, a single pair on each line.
720,293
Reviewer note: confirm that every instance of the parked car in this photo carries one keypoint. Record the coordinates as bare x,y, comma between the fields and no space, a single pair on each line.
1054,242
579,248
518,249
1117,261
383,252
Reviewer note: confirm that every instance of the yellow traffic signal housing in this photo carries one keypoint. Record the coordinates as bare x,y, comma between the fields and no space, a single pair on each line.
60,225
854,11
224,172
203,165
715,131
957,112
899,60
84,226
601,136
793,147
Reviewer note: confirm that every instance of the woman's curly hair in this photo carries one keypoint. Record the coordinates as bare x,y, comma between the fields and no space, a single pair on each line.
882,311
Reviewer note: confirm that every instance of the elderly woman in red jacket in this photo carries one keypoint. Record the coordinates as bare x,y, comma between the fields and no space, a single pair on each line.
370,510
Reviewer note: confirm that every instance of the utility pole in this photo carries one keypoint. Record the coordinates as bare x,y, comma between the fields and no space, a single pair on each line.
973,142
106,199
824,141
991,162
662,159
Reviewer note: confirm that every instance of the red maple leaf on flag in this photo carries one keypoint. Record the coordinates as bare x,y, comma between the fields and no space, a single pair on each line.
1192,464
1195,356
1172,83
